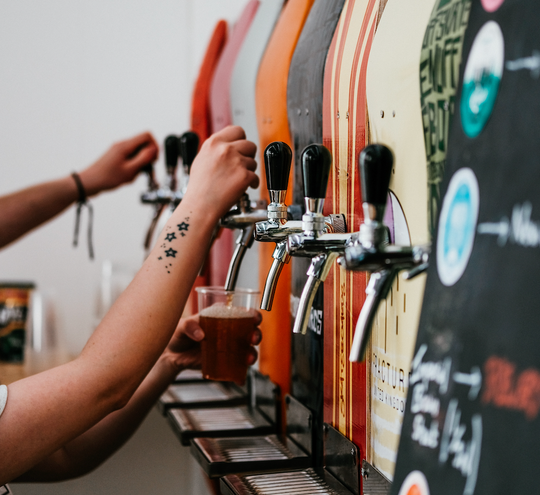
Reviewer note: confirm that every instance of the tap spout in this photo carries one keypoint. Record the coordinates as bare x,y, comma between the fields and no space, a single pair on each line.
243,243
281,257
317,273
377,289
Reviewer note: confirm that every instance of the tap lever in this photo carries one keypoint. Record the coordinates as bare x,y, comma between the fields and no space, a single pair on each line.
189,147
277,163
376,163
316,163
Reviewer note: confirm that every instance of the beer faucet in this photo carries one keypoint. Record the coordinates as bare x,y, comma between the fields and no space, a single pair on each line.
161,196
282,220
188,148
370,250
314,242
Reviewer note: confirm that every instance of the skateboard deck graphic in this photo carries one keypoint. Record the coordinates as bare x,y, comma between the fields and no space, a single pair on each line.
393,97
439,72
222,250
345,135
243,83
273,125
305,100
473,425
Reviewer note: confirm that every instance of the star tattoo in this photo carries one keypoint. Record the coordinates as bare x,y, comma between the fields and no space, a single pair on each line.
183,226
171,253
170,237
160,258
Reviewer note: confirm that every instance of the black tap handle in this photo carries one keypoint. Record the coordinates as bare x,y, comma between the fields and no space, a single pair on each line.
172,151
189,147
316,164
277,164
376,162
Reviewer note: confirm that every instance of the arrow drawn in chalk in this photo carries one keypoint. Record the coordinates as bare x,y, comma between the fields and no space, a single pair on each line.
472,379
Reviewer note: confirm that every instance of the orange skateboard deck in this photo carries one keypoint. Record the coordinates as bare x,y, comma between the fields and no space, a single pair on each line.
273,125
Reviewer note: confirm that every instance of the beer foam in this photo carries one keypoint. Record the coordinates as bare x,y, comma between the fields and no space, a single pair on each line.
221,310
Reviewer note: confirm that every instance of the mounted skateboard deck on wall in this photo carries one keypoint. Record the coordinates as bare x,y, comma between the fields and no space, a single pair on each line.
220,93
243,102
305,100
393,97
273,125
472,425
344,134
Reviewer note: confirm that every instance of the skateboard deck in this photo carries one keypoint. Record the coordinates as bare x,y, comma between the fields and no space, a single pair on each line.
273,125
304,101
201,122
243,83
472,426
393,96
222,249
345,134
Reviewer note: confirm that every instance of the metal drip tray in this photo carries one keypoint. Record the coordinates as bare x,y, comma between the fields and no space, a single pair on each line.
201,394
222,456
218,422
301,482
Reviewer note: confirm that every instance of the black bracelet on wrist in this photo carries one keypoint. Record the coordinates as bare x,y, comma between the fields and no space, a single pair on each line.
83,201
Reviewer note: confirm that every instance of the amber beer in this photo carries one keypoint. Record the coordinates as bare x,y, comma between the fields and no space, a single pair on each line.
225,347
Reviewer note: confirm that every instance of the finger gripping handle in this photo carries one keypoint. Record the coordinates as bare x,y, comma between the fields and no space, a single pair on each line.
189,147
376,162
316,164
172,150
277,164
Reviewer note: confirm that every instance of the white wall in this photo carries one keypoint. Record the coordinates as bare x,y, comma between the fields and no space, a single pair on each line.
77,75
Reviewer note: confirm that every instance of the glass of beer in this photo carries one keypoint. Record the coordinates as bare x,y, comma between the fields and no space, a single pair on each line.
228,320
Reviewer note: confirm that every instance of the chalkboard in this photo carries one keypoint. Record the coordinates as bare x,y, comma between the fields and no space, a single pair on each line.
472,415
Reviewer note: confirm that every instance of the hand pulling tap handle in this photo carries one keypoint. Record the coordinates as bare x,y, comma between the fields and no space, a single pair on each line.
189,147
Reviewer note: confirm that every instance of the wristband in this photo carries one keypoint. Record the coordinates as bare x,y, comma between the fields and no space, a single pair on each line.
83,201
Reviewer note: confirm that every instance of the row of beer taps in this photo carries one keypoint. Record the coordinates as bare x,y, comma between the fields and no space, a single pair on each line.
324,239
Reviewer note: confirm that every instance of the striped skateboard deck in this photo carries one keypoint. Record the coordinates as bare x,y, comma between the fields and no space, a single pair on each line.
479,322
305,100
345,134
222,250
242,97
272,124
393,98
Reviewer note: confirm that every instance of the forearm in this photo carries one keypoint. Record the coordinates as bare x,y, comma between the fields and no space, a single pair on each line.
25,210
92,448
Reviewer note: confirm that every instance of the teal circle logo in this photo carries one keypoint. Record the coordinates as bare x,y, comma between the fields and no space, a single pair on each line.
482,78
457,226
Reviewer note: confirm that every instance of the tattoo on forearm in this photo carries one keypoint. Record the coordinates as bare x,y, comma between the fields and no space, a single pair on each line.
168,251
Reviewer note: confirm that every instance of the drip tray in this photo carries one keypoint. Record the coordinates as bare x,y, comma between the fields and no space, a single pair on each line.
222,456
218,422
201,394
302,482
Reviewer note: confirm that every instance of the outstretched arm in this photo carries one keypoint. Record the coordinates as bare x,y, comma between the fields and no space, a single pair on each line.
46,411
25,210
89,450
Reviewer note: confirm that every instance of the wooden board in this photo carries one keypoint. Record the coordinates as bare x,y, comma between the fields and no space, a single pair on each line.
272,123
393,96
304,101
242,97
345,134
222,250
479,323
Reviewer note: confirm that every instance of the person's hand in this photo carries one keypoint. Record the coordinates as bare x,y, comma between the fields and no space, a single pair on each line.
184,349
120,164
223,170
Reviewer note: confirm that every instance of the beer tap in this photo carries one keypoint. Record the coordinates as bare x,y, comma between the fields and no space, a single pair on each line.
161,196
314,242
369,249
282,220
188,149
